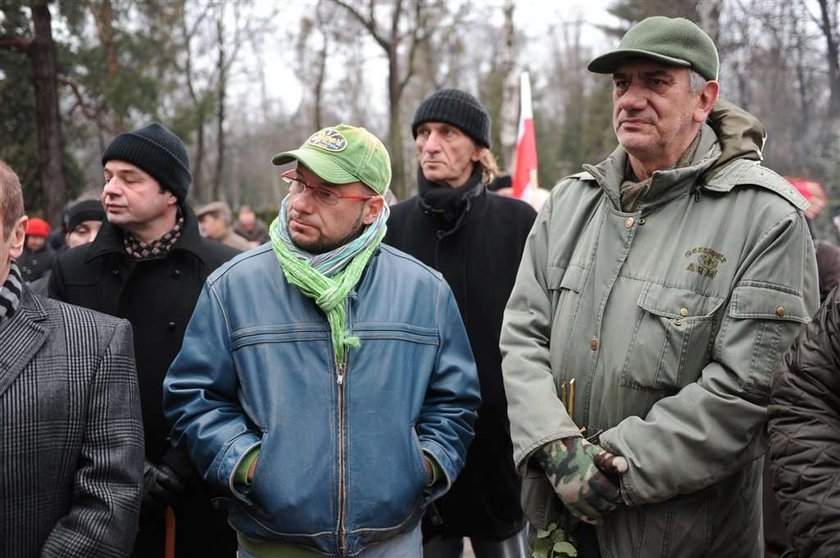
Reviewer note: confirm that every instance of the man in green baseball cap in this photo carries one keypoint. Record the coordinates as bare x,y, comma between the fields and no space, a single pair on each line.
326,382
653,281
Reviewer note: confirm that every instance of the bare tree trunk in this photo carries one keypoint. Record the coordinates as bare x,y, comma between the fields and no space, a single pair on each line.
828,25
104,19
220,128
42,55
319,83
509,112
398,185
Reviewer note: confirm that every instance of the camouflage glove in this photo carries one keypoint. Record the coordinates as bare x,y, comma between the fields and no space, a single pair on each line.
584,476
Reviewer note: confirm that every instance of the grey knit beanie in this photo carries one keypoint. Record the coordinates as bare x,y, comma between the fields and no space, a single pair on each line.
457,108
157,151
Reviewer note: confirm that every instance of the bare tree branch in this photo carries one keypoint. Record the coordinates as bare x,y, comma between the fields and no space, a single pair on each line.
369,24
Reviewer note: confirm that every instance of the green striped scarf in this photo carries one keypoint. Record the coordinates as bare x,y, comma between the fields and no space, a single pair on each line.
329,277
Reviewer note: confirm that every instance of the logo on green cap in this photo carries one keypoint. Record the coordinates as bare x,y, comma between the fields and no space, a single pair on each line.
328,139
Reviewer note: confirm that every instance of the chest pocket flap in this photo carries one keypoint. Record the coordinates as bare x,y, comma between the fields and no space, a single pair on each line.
676,303
671,339
768,302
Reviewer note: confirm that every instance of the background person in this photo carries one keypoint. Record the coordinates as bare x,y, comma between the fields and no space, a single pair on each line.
475,239
37,255
147,265
250,227
805,436
215,221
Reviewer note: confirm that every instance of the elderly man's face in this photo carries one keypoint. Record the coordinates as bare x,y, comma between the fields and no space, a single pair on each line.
655,113
213,225
446,154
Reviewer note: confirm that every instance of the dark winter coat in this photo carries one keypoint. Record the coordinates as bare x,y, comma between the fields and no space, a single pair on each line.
158,297
805,435
33,265
477,249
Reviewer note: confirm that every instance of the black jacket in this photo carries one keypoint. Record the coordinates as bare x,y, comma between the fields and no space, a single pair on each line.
33,265
158,297
478,253
805,435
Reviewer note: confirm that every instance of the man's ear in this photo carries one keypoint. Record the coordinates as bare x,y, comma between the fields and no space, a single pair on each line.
17,237
372,209
706,101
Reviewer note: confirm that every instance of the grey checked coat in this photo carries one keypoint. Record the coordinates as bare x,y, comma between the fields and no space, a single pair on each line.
71,439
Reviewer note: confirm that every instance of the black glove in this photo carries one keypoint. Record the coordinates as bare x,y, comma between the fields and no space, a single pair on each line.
161,487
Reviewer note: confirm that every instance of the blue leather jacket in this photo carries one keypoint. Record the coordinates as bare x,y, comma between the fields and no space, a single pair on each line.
341,448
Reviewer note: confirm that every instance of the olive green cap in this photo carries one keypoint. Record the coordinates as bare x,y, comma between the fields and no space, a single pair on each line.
343,154
671,41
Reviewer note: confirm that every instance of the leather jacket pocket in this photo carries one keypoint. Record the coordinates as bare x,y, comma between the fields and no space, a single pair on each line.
671,339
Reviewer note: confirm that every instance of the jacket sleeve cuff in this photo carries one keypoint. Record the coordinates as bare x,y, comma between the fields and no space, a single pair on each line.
241,474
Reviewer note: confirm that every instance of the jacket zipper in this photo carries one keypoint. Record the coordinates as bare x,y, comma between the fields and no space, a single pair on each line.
340,372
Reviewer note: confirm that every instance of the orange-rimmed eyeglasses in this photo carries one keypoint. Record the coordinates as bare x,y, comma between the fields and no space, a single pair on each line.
324,195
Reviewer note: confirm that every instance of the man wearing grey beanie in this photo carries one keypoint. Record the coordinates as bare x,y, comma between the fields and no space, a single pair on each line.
148,264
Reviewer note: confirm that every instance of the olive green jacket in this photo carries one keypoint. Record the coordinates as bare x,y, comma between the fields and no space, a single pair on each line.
670,320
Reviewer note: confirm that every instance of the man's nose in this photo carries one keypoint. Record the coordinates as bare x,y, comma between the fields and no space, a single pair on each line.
302,201
112,187
632,99
432,143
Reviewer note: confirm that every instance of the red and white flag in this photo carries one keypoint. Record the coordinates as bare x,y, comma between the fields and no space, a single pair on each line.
525,165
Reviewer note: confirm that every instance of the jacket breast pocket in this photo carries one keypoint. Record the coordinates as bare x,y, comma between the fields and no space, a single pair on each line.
671,339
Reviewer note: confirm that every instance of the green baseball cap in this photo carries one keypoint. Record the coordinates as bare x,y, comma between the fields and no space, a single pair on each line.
343,154
672,41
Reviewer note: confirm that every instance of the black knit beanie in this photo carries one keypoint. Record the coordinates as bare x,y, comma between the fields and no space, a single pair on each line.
157,151
457,108
85,210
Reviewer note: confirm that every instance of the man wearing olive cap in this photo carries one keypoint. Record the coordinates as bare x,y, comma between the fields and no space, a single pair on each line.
326,383
657,291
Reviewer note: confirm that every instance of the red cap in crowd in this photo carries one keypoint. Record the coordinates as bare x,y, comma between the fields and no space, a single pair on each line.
37,227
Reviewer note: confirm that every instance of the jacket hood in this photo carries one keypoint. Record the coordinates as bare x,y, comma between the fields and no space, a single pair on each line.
741,135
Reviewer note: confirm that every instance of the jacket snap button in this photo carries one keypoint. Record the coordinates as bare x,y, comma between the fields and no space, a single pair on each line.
176,273
628,223
115,271
593,344
683,312
780,311
170,326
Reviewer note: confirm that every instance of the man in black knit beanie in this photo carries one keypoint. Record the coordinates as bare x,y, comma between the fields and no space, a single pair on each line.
475,239
148,265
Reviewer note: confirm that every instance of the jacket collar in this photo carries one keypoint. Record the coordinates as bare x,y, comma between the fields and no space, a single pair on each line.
25,332
110,238
666,185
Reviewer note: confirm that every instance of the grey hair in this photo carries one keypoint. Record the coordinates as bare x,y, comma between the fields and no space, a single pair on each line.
696,82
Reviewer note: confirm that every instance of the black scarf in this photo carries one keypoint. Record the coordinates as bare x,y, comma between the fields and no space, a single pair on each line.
445,203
